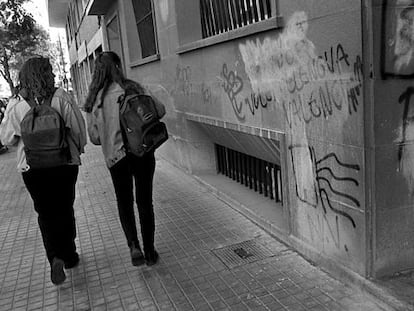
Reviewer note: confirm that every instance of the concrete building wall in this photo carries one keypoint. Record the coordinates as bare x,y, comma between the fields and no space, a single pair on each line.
303,81
393,126
299,90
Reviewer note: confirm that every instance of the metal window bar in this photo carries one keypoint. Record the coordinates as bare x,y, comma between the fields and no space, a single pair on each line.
259,175
204,30
223,16
251,172
226,154
237,157
249,11
232,158
216,16
269,179
219,16
255,175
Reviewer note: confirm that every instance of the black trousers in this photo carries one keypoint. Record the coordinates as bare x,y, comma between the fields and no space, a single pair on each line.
53,194
124,173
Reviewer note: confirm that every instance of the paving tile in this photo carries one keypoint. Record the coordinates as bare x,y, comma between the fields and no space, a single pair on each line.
191,222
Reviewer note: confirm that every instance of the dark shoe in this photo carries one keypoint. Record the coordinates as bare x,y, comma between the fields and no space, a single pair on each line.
73,262
137,257
57,274
152,258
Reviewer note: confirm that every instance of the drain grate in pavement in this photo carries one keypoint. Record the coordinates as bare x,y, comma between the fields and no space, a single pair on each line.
242,253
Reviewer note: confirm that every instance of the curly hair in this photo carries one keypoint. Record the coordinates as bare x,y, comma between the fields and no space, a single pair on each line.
36,80
108,69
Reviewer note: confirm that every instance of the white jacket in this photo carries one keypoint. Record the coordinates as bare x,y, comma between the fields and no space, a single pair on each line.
64,104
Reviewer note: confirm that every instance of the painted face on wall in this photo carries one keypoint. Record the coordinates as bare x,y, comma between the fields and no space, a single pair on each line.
406,30
298,25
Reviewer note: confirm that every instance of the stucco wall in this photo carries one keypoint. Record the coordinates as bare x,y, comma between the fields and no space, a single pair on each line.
394,183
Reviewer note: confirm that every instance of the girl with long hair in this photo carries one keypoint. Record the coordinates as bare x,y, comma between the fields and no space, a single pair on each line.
102,107
51,188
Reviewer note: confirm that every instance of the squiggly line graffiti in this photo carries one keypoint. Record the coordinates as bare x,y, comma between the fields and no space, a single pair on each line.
405,99
322,184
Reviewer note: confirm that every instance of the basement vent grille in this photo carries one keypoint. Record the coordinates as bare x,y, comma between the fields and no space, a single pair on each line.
239,254
259,175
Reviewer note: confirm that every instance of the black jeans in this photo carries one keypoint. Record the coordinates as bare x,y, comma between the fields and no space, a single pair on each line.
53,194
124,173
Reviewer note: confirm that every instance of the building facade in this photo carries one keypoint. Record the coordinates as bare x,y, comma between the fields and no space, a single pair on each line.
296,111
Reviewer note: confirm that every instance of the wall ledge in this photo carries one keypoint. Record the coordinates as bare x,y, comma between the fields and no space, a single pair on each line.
265,25
257,131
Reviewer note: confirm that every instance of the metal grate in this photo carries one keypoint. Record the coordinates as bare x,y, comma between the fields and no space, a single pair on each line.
218,16
257,174
239,254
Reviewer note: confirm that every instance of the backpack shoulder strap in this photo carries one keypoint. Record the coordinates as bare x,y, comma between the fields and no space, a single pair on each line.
31,102
48,100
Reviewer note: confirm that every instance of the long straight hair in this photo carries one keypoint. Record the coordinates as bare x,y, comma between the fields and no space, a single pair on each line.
108,69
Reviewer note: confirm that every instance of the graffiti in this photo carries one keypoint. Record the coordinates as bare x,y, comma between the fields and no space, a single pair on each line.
321,189
405,99
317,69
183,83
405,137
325,94
321,229
257,101
306,86
206,94
232,86
398,39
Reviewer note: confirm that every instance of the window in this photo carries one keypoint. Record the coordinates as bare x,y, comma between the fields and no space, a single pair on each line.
144,20
83,78
114,37
76,17
70,25
74,77
68,33
218,16
202,23
79,8
91,61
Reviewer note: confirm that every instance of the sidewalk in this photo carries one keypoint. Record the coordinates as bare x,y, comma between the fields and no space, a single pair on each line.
211,257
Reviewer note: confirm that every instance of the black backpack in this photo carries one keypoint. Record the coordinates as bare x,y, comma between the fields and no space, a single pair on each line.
141,127
44,136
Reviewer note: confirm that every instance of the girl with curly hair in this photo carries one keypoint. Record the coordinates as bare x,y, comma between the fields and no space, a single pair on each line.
52,189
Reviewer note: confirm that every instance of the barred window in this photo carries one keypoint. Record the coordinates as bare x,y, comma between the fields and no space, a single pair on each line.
219,16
